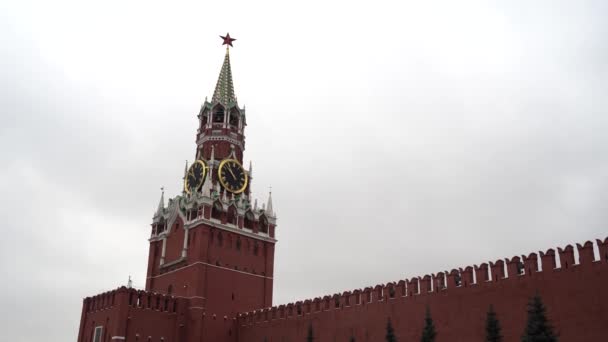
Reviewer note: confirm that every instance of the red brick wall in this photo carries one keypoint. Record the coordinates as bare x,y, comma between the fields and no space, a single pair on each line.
575,295
130,313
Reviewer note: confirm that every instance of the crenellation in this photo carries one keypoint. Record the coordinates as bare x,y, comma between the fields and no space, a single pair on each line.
367,295
498,270
307,306
335,301
401,288
530,263
467,276
514,267
454,279
317,304
378,291
413,286
586,254
357,296
603,249
547,260
439,281
457,278
482,274
426,284
346,300
566,257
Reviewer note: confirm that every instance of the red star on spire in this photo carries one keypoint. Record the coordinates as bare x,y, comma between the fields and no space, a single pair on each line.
227,39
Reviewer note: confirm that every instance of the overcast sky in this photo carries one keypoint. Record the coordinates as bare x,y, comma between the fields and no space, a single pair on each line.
399,138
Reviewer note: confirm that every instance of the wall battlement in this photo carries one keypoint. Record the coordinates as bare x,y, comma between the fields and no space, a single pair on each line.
137,299
488,274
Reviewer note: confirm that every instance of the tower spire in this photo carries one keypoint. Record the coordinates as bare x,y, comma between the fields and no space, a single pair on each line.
224,89
269,209
161,203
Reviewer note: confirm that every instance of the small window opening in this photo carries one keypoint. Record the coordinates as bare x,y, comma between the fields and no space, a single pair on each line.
263,225
232,215
234,119
170,289
218,116
248,223
98,334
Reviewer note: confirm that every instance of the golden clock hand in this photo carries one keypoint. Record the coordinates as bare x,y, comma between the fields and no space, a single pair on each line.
232,173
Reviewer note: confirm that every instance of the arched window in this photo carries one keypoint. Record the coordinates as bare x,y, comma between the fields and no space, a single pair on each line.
204,121
216,211
218,115
263,224
234,118
161,226
248,220
232,215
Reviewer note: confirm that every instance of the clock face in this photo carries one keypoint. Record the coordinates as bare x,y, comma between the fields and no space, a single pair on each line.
195,176
232,176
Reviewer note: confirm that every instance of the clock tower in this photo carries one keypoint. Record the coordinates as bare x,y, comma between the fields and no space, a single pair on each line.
210,245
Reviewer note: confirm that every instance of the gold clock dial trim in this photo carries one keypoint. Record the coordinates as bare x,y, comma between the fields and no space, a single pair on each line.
227,186
187,185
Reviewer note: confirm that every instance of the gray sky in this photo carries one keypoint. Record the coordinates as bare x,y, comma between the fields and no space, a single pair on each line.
400,138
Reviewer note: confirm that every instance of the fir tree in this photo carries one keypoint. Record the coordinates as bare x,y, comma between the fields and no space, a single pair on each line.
310,336
428,332
538,328
390,333
492,327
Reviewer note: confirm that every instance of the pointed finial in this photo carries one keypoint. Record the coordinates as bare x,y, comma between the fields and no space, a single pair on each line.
255,205
206,189
232,151
269,209
129,283
250,169
161,203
